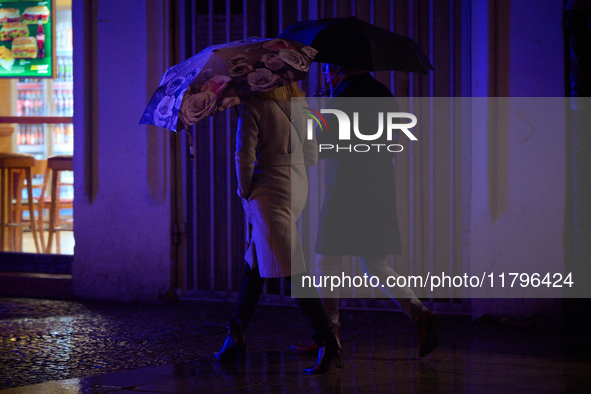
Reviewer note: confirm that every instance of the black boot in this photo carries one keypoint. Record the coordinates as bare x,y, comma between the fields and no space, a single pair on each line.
248,297
428,329
330,351
233,346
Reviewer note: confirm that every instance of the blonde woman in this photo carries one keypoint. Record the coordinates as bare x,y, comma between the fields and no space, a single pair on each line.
271,159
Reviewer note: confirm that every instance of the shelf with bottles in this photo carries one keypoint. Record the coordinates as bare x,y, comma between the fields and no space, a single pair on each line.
30,138
45,140
63,37
63,138
30,84
64,69
63,100
63,51
30,100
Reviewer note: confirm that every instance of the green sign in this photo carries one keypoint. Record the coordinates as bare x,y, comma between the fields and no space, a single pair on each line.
26,39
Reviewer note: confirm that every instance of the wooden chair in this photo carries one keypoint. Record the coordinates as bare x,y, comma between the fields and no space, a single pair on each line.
11,167
55,165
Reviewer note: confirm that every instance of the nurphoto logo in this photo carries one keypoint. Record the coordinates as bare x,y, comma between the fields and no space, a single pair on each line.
344,130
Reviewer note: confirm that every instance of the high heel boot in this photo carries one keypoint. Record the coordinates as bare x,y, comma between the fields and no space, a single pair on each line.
233,346
330,351
428,328
310,347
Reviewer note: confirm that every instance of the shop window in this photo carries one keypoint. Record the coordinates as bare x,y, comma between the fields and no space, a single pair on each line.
36,114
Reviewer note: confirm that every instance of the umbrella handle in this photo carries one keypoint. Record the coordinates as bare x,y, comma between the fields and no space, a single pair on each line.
191,150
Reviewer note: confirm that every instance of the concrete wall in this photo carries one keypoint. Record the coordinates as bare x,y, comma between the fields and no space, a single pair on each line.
518,172
122,207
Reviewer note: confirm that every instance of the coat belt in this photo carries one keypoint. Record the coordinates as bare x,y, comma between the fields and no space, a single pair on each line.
279,160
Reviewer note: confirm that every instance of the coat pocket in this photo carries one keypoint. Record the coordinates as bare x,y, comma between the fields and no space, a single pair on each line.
246,207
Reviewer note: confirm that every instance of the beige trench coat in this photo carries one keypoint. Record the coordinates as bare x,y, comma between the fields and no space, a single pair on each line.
269,168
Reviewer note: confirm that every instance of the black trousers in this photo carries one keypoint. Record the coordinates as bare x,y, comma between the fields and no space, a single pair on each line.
248,298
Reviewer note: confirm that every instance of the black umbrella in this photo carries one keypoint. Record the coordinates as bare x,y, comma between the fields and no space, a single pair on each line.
355,43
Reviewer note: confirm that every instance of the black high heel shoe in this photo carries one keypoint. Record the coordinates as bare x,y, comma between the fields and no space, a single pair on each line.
330,351
233,346
310,347
428,328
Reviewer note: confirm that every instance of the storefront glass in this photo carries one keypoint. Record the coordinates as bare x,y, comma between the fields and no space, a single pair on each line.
36,119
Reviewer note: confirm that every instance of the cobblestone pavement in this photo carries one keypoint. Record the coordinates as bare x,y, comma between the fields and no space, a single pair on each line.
43,340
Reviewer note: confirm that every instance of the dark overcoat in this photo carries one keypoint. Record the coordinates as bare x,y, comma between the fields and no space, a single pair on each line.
358,215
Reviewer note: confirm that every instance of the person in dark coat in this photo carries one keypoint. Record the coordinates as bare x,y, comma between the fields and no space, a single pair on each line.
358,215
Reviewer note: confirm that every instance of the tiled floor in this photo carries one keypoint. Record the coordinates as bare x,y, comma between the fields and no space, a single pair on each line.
380,352
66,242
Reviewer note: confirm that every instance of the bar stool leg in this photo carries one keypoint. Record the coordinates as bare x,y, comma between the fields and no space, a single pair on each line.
40,222
16,230
12,230
3,179
31,209
52,210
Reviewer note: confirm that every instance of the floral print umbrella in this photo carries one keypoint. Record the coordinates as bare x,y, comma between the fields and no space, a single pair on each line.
222,76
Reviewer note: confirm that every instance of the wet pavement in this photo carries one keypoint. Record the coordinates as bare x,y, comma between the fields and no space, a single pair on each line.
49,346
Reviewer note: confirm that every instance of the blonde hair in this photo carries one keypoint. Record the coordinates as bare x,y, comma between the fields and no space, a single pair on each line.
284,93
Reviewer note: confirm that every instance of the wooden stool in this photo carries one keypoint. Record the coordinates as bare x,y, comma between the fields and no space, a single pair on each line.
9,164
37,171
55,165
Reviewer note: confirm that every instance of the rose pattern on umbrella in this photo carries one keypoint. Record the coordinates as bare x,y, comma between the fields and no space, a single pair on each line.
179,100
272,61
197,106
174,85
239,59
277,44
191,74
172,72
309,52
294,59
254,50
163,111
229,102
216,84
240,69
191,92
262,79
207,73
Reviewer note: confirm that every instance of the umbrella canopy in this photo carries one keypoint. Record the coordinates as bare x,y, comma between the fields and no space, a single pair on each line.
353,42
222,76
